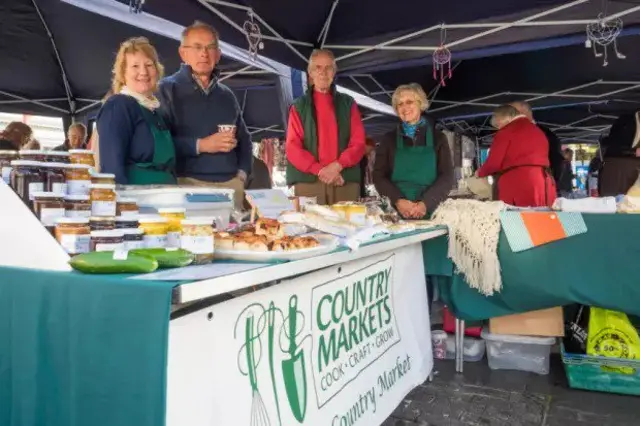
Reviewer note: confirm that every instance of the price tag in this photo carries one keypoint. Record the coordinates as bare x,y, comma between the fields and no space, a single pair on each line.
120,254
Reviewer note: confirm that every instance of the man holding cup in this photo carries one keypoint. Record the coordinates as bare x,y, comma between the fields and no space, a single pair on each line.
212,141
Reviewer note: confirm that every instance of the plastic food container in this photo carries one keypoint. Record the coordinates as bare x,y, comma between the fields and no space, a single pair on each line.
197,237
155,231
73,234
472,349
524,353
82,156
103,199
175,217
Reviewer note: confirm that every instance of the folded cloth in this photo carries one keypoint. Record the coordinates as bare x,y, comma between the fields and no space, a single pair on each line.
587,205
528,229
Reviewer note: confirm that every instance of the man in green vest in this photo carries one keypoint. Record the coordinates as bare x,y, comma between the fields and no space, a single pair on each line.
325,137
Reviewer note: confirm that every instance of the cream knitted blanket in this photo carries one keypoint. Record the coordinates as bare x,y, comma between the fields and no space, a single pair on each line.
474,229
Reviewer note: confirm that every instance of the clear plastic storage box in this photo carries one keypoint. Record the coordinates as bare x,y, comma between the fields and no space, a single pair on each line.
524,353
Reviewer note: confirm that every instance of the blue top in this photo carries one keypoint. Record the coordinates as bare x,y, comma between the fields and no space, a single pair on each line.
191,113
125,136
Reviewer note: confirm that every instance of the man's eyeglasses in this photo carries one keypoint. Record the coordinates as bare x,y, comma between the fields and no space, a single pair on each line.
200,48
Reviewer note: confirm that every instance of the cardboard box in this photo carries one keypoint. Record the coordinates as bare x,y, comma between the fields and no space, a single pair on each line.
546,323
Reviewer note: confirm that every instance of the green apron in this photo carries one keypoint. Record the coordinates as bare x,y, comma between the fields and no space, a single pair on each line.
415,168
161,169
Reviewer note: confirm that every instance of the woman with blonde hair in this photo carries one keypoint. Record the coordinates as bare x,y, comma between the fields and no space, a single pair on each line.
413,164
136,144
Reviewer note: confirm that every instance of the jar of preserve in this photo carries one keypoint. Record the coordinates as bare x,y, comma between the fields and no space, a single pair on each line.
26,179
127,207
106,178
77,206
155,231
133,239
127,222
103,199
56,157
82,156
6,157
48,207
55,179
32,155
102,223
107,240
73,234
78,179
197,237
174,215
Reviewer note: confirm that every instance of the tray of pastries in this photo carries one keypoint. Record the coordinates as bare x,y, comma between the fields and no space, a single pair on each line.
267,241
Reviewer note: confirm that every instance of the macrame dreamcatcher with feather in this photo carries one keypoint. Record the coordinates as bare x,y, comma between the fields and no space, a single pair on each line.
135,6
604,32
253,34
442,59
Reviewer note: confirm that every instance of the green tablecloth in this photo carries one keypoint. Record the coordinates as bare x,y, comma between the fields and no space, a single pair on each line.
599,268
82,350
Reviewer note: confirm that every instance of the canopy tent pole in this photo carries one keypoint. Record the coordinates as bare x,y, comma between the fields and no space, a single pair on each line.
33,101
231,74
327,23
285,97
377,83
65,80
21,101
570,89
483,98
364,89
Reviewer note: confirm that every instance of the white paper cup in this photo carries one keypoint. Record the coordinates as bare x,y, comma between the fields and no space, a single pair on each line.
227,128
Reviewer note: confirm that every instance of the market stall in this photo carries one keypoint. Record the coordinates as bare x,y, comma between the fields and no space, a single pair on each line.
334,338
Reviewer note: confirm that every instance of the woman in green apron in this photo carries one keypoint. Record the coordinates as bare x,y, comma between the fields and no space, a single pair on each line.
135,144
413,164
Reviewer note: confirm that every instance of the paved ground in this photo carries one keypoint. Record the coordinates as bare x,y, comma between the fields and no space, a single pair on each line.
482,397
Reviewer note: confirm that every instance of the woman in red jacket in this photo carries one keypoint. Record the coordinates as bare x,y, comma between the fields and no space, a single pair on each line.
519,161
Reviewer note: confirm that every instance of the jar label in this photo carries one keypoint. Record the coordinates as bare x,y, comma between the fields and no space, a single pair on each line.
48,216
129,213
197,244
133,245
75,244
78,213
103,208
60,188
6,174
109,246
155,241
35,187
78,187
173,239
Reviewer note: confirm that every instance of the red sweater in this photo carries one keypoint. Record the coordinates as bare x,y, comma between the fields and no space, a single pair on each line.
518,154
304,160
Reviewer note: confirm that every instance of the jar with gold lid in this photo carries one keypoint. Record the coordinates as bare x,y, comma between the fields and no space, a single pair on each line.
73,234
103,199
82,156
174,215
155,231
6,157
78,179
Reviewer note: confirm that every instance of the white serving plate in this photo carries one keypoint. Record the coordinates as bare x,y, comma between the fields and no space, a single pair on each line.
328,243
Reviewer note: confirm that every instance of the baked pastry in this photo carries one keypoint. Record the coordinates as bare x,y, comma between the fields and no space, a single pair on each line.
251,243
223,241
269,227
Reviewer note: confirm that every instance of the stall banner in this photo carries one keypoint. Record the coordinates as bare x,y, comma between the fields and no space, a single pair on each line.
341,346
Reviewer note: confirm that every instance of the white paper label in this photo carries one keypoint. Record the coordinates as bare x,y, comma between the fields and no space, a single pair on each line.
59,188
6,174
78,213
48,216
358,218
173,240
35,187
103,208
75,244
130,213
155,241
109,246
120,254
78,187
197,245
132,245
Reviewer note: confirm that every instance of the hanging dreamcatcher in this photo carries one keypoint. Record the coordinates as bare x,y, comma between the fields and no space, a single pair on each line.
604,32
135,6
442,59
253,34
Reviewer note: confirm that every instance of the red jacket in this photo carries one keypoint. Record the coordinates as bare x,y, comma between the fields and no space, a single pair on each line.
327,125
519,157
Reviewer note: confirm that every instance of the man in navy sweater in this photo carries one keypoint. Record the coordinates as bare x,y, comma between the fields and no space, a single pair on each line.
194,104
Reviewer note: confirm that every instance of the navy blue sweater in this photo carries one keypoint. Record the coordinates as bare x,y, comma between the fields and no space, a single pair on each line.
125,136
192,114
